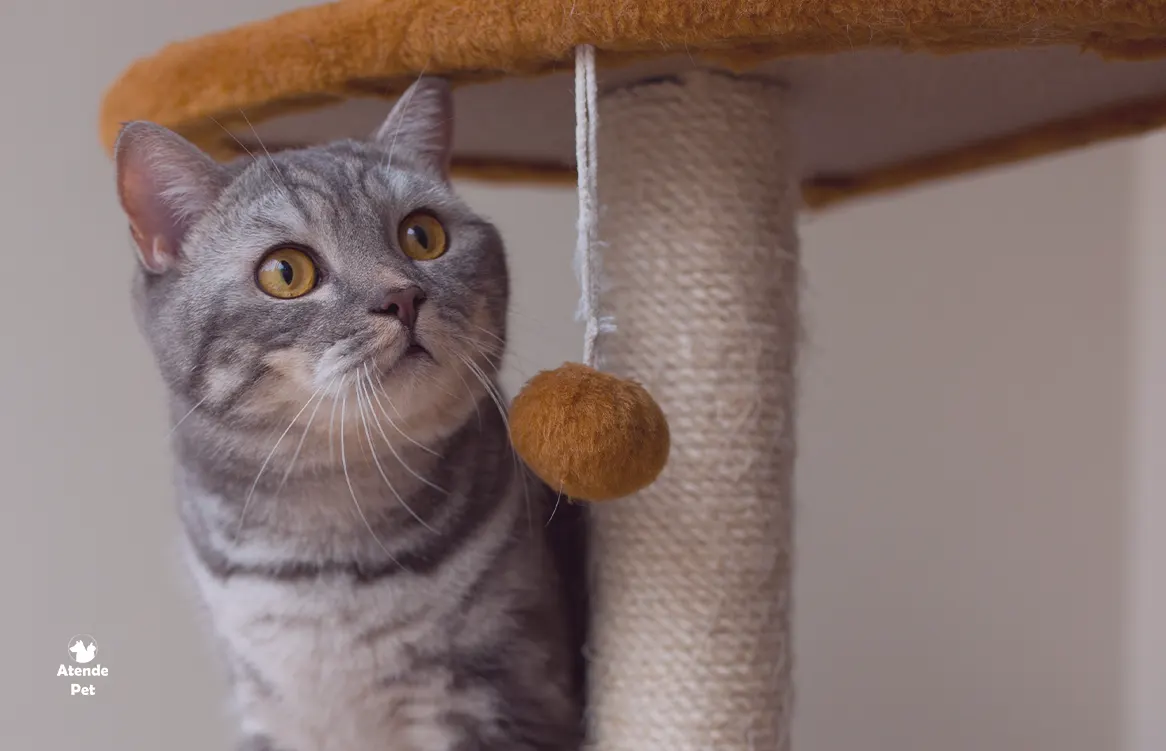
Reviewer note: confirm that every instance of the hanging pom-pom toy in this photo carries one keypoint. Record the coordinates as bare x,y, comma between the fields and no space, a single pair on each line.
592,436
589,434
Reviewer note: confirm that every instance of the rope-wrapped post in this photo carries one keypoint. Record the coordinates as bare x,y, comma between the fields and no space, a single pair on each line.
690,642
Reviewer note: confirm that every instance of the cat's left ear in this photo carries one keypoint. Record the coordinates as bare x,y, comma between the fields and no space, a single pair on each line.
165,184
420,126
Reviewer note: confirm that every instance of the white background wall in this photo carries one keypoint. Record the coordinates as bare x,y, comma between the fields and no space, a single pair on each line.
980,515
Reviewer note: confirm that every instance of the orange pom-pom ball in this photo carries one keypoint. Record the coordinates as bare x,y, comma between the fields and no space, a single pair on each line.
591,435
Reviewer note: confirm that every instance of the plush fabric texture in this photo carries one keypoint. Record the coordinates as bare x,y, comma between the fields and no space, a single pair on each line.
323,54
588,434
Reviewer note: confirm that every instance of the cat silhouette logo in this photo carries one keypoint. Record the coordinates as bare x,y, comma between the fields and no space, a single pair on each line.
83,648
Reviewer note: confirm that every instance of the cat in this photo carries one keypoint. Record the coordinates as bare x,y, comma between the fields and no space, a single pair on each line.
379,569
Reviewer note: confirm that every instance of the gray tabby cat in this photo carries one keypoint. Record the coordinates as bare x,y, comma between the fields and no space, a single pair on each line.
375,562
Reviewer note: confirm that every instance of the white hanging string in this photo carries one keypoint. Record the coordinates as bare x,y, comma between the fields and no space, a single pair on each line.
586,163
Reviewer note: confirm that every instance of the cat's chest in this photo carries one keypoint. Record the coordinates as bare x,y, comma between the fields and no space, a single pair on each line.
327,666
322,628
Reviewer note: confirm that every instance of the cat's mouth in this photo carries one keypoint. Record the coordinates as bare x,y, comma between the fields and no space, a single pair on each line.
403,358
415,350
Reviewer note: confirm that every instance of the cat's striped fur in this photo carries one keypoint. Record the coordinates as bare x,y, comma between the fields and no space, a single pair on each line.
376,564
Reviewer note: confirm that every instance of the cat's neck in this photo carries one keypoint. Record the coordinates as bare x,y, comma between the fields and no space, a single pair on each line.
329,501
334,444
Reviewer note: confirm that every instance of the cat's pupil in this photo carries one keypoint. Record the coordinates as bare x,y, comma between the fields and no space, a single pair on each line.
285,270
419,235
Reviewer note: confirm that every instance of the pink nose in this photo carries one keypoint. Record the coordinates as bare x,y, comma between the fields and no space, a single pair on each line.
401,304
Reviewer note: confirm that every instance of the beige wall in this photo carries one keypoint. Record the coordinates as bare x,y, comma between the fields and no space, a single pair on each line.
963,477
979,498
1144,647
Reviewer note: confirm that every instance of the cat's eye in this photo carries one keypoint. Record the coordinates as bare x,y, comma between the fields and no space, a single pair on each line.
286,273
422,237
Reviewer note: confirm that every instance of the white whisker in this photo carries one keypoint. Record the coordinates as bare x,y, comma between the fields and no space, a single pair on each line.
332,420
488,332
352,490
188,414
377,461
373,390
263,466
496,397
489,352
491,390
558,498
470,391
299,446
250,153
495,348
486,350
263,146
233,137
397,456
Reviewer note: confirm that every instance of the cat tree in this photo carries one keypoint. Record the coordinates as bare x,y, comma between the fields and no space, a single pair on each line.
699,128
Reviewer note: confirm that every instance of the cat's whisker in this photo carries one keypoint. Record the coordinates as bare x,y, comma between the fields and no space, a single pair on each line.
263,146
418,374
233,136
398,456
188,414
470,391
266,461
485,351
491,390
390,443
555,510
250,153
490,350
332,419
500,346
496,397
488,332
352,490
307,428
429,380
373,388
377,461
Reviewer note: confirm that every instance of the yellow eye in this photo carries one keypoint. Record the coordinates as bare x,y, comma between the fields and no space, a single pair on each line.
286,273
422,237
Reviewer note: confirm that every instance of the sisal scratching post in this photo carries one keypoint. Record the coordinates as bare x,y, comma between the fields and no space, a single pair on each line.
691,646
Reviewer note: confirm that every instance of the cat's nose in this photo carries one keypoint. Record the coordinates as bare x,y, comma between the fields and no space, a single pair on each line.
401,304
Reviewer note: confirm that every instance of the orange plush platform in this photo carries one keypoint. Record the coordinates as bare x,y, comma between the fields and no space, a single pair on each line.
1010,80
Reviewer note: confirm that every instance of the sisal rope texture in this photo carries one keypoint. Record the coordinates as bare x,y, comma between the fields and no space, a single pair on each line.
690,643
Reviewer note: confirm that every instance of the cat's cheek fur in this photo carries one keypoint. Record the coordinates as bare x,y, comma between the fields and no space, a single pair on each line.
295,370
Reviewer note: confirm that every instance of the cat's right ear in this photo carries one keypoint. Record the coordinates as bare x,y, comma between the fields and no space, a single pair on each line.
164,183
421,125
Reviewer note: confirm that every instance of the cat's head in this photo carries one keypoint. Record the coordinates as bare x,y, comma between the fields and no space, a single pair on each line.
350,268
